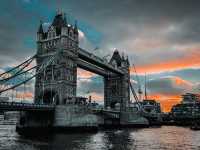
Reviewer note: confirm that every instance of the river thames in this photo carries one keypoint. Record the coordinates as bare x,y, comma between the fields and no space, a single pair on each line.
159,138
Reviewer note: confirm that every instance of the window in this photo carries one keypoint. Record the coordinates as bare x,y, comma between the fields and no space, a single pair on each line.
44,45
70,34
49,35
54,34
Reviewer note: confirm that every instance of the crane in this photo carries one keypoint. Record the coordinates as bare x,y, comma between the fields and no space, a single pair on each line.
139,85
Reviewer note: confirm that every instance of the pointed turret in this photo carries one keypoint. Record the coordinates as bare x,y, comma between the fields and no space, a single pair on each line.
65,20
116,57
40,33
123,56
75,27
127,61
40,29
64,27
58,23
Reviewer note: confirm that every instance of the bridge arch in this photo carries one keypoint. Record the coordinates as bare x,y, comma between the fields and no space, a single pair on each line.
49,96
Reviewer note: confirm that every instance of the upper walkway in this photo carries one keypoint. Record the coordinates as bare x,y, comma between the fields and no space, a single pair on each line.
99,62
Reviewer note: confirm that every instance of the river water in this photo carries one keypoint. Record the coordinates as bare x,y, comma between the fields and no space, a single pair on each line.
160,138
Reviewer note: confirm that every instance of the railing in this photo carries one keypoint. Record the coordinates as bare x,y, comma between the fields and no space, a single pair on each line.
95,110
92,56
12,106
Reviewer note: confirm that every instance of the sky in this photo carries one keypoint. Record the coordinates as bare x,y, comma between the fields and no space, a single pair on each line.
161,37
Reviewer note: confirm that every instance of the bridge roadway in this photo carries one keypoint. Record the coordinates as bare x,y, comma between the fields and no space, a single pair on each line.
107,112
17,106
95,64
90,62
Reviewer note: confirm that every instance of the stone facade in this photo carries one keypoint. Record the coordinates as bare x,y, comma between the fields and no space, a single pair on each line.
57,84
116,87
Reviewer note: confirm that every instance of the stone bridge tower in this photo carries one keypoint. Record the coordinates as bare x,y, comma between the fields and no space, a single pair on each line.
116,87
57,84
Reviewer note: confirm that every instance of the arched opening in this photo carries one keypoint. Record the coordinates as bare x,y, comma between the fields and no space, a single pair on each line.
113,104
91,86
50,97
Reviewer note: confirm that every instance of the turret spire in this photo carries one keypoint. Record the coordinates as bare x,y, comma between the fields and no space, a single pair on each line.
123,56
75,27
40,29
127,61
65,19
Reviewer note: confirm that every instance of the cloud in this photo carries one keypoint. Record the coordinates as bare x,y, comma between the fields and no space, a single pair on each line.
170,85
174,60
97,96
160,37
168,90
89,83
143,30
27,1
84,74
27,95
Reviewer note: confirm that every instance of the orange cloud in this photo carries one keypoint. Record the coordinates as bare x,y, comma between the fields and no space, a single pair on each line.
168,90
189,60
97,96
25,95
84,74
181,83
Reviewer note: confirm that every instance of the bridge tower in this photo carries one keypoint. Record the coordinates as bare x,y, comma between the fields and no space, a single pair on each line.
57,84
116,87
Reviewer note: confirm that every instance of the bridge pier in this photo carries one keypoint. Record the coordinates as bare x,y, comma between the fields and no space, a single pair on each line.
116,87
74,117
69,117
34,122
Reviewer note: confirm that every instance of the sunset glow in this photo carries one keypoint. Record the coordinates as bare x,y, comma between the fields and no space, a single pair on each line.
165,46
166,102
190,60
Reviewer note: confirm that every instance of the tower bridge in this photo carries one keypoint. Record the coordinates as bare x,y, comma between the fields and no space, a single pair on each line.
61,76
57,59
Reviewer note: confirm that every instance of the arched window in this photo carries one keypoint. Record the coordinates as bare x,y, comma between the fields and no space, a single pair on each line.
70,33
51,32
54,34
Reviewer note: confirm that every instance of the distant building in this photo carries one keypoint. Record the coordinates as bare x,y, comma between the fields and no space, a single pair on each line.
187,110
4,99
189,98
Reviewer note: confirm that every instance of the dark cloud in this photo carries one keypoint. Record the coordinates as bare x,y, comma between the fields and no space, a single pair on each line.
169,86
90,85
191,75
149,31
121,22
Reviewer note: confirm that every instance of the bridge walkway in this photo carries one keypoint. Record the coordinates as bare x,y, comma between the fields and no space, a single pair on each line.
115,114
17,106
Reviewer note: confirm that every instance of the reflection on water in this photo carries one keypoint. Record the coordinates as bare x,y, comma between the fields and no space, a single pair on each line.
164,138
